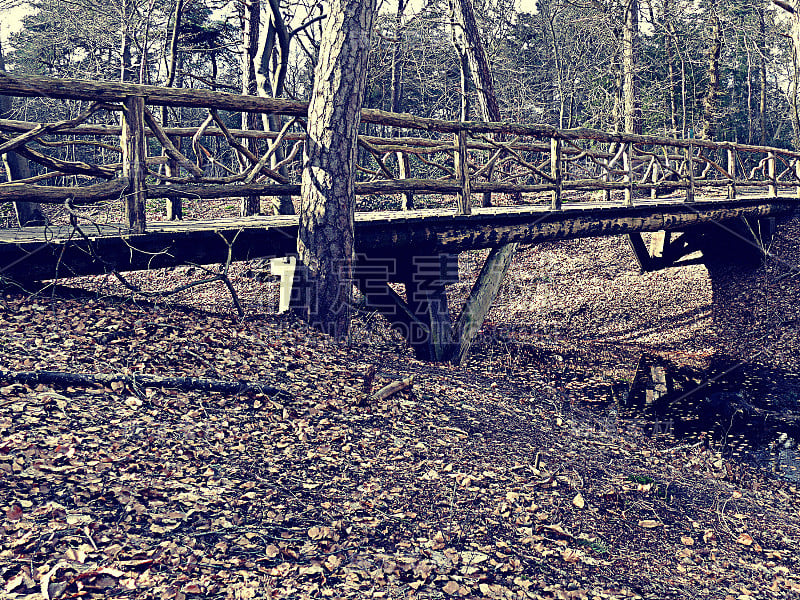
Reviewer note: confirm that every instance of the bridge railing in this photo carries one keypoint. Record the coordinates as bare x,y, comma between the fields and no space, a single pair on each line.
528,163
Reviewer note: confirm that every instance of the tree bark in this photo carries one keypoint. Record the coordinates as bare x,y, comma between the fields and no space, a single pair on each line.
762,67
325,235
16,167
792,7
630,42
708,127
468,42
270,83
251,20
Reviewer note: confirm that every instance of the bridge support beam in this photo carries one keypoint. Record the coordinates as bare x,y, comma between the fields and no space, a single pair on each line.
666,249
481,299
745,240
423,318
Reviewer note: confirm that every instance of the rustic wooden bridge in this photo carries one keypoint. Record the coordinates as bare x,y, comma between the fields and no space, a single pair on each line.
694,195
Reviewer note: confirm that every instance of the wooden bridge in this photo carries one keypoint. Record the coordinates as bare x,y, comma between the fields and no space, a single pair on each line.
695,195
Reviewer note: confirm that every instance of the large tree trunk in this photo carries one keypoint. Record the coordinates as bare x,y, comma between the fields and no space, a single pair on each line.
708,126
16,167
251,205
325,237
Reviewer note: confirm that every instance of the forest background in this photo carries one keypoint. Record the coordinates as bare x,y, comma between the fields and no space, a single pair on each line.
704,68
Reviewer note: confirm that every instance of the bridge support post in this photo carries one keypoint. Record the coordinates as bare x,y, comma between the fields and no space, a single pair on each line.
481,299
424,317
134,162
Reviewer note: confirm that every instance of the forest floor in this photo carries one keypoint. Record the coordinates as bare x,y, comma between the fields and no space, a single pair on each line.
510,477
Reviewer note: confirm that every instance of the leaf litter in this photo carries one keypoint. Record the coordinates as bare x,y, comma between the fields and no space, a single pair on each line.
487,481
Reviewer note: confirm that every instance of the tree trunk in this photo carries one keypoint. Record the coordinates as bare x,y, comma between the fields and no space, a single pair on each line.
762,67
270,80
630,42
16,167
403,161
673,109
325,236
251,19
708,127
468,41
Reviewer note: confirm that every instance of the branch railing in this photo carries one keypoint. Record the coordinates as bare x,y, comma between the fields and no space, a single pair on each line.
462,159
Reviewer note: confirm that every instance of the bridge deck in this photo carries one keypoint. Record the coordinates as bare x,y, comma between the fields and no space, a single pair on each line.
61,251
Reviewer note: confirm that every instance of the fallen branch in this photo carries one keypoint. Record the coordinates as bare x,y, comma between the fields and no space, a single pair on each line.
391,389
184,384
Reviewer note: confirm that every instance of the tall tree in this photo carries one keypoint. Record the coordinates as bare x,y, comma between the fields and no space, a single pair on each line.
325,236
630,47
708,125
792,9
251,21
468,44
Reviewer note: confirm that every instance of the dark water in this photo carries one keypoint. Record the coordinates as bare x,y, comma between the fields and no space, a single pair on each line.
749,411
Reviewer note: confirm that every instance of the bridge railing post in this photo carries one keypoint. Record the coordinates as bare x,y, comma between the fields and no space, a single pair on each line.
172,169
731,174
797,174
627,160
689,153
134,165
772,174
462,172
556,173
655,175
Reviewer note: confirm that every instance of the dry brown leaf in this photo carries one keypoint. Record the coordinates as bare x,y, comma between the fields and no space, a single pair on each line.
745,540
578,501
649,524
571,556
451,588
687,541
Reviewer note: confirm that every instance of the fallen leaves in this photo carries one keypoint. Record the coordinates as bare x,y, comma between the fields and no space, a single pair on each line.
454,488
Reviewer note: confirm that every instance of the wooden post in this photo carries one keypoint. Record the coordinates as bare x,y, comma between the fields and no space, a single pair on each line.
431,334
462,173
640,251
556,173
405,173
134,166
654,177
797,174
689,152
481,298
772,174
732,174
627,160
172,169
607,175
